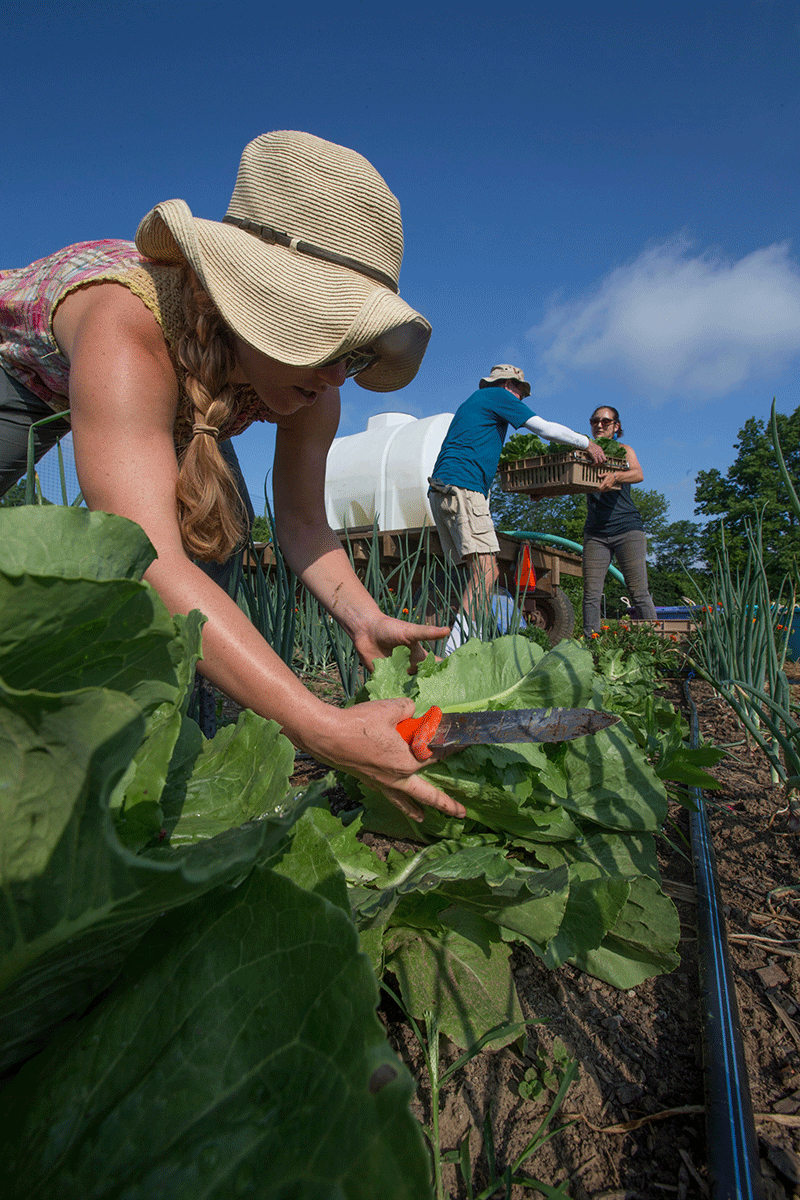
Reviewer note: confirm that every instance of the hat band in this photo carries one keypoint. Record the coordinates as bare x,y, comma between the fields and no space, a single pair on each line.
274,237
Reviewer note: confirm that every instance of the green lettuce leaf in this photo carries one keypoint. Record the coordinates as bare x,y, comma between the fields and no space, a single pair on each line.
510,672
611,783
307,858
462,974
642,943
359,863
584,810
238,776
593,908
528,907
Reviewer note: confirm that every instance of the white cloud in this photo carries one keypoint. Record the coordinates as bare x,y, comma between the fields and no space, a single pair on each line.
673,324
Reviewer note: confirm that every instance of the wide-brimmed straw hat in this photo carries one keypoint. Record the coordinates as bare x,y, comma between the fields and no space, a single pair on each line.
305,264
505,371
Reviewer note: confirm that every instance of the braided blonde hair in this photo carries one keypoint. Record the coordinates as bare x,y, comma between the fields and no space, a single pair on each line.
211,514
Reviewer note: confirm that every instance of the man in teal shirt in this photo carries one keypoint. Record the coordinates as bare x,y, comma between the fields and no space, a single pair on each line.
467,464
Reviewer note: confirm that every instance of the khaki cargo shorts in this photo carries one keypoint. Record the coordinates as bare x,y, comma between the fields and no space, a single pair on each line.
463,521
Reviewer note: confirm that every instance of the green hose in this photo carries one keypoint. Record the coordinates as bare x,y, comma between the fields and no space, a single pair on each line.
526,536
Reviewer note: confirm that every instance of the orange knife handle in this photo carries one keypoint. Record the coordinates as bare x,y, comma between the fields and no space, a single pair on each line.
418,731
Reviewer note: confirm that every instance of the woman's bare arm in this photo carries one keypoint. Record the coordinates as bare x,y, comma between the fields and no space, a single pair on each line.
314,551
123,398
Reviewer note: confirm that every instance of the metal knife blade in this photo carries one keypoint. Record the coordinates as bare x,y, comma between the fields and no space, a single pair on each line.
519,725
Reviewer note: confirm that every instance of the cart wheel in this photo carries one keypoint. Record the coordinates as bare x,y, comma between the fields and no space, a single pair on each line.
555,615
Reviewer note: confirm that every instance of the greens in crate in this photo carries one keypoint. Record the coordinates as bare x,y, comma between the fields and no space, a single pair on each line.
528,445
524,445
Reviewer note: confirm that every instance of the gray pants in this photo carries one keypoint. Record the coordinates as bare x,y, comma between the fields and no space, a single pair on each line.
20,409
630,550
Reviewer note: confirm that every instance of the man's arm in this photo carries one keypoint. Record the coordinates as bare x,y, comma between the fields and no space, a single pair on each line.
554,432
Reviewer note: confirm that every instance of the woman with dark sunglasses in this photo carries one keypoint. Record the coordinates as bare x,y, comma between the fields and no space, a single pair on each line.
614,529
157,353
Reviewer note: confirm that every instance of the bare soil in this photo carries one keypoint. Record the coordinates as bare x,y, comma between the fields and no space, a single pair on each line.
635,1126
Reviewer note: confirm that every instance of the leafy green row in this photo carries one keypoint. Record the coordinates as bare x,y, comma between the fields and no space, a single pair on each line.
557,851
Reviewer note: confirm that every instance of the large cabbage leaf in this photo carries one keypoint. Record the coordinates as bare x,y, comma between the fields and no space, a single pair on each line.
74,898
72,543
238,1054
94,678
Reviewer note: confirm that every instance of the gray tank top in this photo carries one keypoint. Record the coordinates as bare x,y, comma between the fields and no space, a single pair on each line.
610,513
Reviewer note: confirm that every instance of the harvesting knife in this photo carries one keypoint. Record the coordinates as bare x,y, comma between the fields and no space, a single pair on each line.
512,725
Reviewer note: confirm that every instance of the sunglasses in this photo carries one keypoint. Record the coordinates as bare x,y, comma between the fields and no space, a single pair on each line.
601,420
355,361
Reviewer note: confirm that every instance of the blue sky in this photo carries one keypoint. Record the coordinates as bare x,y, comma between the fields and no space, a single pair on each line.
604,194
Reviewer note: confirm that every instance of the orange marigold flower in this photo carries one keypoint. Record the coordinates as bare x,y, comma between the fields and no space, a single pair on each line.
605,626
405,611
594,635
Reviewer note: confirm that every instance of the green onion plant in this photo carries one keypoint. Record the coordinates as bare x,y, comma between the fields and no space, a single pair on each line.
742,640
420,588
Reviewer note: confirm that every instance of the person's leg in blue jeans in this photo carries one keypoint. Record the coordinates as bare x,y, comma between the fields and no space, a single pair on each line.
596,561
630,551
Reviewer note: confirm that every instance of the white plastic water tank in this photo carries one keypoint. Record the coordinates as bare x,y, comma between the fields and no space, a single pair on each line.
384,472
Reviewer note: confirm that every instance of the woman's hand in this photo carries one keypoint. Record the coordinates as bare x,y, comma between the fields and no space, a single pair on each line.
631,474
607,481
379,636
363,740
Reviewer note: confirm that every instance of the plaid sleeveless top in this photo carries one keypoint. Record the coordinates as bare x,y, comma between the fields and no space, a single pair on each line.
29,297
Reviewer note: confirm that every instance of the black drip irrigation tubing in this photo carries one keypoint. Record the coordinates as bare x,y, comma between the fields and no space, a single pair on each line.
732,1145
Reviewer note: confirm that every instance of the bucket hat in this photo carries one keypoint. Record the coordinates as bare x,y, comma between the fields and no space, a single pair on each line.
306,262
504,371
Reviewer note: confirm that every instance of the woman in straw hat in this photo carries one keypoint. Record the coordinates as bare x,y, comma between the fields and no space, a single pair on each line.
164,350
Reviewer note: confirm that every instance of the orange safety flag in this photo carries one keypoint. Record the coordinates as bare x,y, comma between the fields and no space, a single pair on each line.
526,575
